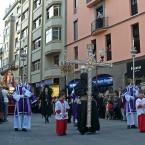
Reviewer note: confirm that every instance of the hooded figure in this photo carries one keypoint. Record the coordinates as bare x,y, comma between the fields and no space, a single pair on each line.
81,91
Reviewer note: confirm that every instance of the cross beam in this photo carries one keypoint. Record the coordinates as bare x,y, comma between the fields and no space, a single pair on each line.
90,63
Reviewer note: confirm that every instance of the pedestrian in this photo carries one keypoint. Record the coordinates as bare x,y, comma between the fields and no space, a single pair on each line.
109,110
6,100
140,107
61,114
1,105
46,103
22,112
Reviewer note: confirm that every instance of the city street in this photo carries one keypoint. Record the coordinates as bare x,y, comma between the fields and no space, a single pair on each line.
112,133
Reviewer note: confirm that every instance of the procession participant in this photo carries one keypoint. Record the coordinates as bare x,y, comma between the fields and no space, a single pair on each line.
130,94
75,103
81,90
140,107
46,103
61,114
22,112
6,100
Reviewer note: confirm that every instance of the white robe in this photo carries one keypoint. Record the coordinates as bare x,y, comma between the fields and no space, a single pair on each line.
63,107
21,120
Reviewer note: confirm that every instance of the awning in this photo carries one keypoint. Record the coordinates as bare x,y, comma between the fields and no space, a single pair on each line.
100,80
103,80
43,83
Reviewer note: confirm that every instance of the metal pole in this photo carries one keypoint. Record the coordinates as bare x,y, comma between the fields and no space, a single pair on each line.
23,70
133,69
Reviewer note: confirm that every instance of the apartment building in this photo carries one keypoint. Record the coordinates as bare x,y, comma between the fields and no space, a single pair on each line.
11,40
46,48
114,27
34,40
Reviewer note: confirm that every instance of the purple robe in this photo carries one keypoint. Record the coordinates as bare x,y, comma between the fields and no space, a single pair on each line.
23,105
130,106
74,106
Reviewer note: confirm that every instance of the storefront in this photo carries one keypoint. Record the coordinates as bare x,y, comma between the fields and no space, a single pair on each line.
139,71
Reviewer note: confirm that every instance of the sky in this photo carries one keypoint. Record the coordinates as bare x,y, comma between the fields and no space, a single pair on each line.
3,5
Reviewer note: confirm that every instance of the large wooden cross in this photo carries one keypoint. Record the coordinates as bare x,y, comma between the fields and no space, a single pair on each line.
90,63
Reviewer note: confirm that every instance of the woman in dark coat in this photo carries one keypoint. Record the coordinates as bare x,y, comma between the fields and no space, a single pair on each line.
46,103
1,105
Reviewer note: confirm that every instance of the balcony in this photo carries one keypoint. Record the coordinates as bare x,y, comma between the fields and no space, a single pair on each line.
99,25
91,3
53,71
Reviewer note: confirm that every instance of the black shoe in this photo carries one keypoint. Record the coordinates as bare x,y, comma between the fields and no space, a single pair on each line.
128,127
16,129
24,129
133,126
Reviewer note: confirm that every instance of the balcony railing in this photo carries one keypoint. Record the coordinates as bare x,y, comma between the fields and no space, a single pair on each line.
99,25
91,3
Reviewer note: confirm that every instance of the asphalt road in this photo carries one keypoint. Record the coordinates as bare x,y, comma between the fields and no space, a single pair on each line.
113,132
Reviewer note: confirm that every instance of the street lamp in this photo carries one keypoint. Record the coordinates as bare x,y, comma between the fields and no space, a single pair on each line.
133,53
23,56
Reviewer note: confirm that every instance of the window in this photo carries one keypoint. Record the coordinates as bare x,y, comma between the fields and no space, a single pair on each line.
24,33
53,33
16,58
17,43
25,15
75,30
56,59
134,8
53,11
37,43
37,3
36,65
76,55
108,47
18,24
136,38
37,22
18,10
94,47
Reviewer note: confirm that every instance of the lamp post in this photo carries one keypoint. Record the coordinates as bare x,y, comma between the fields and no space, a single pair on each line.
23,56
133,53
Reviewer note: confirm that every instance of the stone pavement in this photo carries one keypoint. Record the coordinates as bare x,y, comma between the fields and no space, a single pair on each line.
112,132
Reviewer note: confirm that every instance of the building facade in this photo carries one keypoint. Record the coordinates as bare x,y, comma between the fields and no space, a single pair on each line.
46,51
114,28
35,38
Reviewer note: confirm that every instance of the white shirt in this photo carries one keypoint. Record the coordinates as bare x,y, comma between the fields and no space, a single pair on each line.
63,107
140,102
5,95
